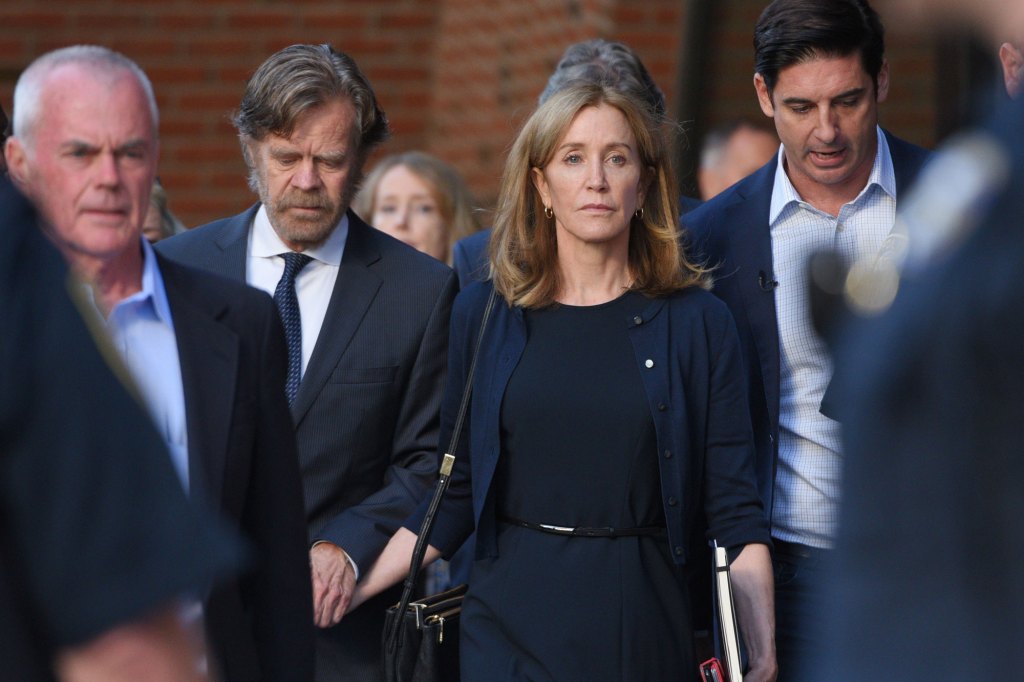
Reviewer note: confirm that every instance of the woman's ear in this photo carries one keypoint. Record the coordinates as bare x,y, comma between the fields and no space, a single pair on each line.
541,184
646,180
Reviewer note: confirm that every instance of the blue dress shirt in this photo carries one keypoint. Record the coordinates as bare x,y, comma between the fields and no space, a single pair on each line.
142,330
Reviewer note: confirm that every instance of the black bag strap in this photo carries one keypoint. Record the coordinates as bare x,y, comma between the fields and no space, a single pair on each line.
443,480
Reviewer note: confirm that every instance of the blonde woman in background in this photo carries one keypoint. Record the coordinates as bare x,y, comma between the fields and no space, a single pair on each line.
420,200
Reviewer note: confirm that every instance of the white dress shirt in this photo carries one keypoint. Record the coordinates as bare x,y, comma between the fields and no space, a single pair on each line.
807,481
313,285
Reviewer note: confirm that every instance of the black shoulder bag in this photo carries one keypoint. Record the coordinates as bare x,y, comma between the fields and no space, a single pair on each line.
421,638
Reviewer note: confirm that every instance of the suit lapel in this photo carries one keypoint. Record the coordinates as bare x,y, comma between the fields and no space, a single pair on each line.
208,354
751,246
354,290
233,242
907,161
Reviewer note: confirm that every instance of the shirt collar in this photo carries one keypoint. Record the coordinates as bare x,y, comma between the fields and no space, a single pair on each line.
153,285
882,175
267,244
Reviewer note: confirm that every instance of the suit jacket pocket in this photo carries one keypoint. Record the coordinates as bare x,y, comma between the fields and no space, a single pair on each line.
364,375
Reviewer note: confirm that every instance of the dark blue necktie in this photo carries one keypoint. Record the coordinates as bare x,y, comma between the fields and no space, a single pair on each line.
288,307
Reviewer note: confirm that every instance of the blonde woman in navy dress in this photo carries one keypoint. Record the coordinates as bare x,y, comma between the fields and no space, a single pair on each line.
608,395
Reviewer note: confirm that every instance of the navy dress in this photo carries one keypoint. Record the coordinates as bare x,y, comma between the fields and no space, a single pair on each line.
578,448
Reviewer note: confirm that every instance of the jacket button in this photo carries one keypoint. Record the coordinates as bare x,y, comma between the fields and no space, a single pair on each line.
672,502
648,363
668,454
638,320
679,551
661,407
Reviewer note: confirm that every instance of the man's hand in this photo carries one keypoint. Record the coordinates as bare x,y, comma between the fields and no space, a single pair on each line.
333,583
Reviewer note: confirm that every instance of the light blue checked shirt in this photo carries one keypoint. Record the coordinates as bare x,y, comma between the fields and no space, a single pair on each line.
807,481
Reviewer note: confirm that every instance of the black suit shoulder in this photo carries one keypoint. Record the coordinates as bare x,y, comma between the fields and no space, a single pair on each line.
215,293
705,230
404,271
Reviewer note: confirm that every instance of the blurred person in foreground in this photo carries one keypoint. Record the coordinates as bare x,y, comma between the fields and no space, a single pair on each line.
834,184
420,200
367,321
4,127
931,543
599,61
608,411
1011,59
98,543
207,354
731,152
160,223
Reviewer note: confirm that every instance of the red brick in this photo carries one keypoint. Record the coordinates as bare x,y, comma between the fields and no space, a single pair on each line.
179,22
187,129
111,22
176,74
221,45
214,102
340,19
261,19
32,19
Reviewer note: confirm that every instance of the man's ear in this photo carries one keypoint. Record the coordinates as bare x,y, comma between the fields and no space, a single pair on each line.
17,163
882,91
764,98
1012,61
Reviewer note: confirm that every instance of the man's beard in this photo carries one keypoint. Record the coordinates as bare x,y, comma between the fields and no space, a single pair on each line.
309,231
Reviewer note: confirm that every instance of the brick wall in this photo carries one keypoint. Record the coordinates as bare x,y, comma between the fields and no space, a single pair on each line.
456,77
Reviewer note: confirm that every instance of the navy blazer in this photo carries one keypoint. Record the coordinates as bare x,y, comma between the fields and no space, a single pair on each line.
366,412
731,232
242,457
688,356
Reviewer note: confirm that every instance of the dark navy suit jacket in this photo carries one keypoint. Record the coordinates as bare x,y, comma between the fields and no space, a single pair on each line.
688,357
731,232
242,459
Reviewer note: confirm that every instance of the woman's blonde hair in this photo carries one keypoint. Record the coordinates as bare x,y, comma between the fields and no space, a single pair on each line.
523,249
454,201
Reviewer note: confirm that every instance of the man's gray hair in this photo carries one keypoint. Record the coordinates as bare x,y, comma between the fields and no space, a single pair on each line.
99,60
299,78
608,63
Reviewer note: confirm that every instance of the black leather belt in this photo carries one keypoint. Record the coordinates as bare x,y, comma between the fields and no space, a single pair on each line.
795,551
584,531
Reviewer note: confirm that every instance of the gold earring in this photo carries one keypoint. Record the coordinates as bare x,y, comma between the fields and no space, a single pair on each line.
548,213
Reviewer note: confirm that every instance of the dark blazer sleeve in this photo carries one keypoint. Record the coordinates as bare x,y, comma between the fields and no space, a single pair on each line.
469,258
454,520
731,500
274,520
364,529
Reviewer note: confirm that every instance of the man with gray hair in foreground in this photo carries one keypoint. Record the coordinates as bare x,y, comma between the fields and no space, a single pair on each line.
366,318
207,354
